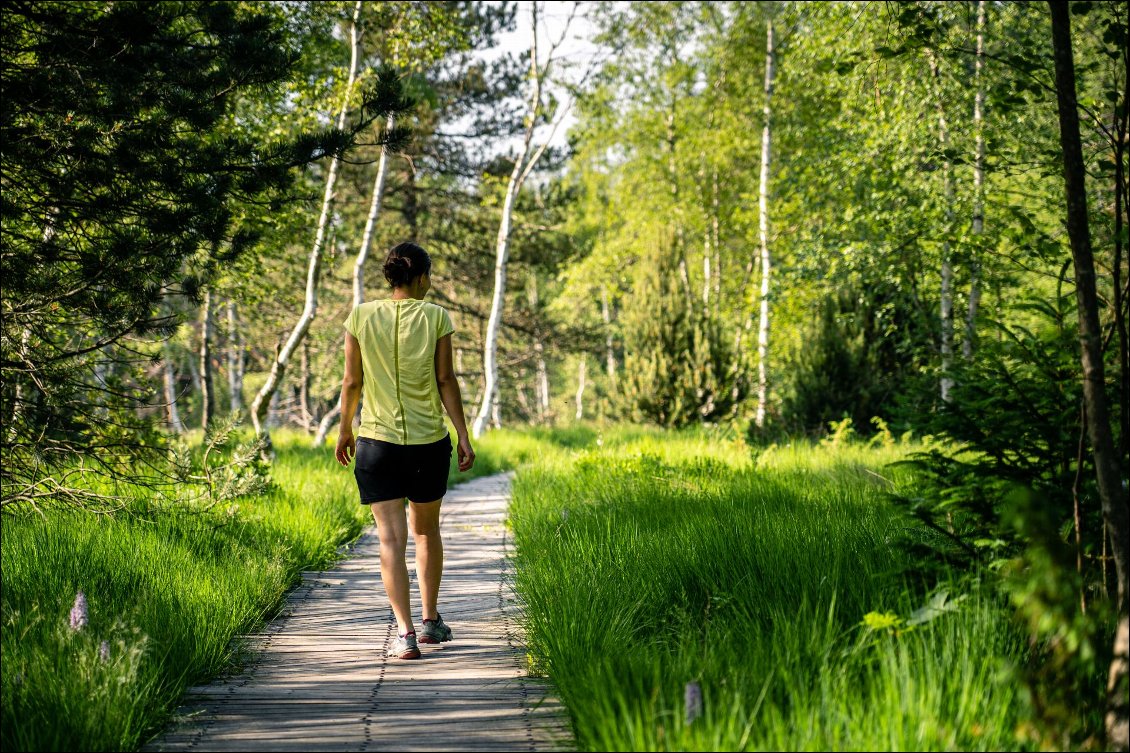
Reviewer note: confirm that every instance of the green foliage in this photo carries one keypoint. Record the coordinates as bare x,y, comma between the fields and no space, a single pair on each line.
221,468
1013,421
126,183
858,360
679,368
999,493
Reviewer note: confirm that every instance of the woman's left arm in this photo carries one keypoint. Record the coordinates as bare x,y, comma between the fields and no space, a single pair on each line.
350,398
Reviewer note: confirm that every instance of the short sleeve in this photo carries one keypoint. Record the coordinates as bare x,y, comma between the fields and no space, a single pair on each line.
444,326
350,322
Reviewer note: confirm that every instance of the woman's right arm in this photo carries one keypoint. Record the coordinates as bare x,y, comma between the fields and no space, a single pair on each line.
452,400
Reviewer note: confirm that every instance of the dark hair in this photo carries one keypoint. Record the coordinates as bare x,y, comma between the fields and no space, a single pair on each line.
406,261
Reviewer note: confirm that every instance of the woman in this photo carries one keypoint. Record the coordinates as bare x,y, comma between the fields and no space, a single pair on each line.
398,351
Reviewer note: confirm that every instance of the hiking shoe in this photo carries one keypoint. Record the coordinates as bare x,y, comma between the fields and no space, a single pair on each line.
435,631
404,647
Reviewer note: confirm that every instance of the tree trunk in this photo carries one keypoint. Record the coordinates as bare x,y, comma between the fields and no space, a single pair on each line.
265,395
970,342
490,346
1116,510
459,371
326,424
522,168
542,382
235,360
520,393
716,235
673,176
171,397
1121,116
947,262
581,368
609,352
370,222
207,390
305,416
763,230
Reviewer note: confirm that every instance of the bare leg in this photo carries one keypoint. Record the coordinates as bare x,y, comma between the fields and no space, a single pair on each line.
429,553
392,528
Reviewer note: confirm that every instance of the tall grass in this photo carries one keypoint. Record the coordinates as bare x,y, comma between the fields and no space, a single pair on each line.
647,562
167,591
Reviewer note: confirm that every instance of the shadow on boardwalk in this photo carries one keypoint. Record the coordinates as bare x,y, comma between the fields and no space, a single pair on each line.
319,681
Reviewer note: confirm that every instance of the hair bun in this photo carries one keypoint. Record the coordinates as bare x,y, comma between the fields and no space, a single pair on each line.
404,263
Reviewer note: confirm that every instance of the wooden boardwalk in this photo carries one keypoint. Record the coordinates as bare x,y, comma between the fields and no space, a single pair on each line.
319,680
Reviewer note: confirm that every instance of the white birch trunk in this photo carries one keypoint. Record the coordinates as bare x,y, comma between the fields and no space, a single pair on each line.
581,369
542,382
946,311
706,271
171,398
326,424
305,416
523,401
235,360
370,222
609,352
521,170
763,231
269,389
541,378
968,345
716,235
459,371
673,175
207,391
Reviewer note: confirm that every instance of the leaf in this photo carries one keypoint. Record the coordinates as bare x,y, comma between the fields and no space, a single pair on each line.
938,605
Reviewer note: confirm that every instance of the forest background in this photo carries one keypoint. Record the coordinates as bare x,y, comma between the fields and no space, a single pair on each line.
790,220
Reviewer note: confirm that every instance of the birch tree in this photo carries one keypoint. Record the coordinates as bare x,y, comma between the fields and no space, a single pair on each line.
946,299
763,231
969,343
524,163
170,380
207,389
235,359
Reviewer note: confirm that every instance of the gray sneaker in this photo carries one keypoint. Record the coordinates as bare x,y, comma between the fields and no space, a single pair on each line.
404,647
435,631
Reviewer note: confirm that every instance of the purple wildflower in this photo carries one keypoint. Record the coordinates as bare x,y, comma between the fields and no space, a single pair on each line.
104,651
692,699
79,612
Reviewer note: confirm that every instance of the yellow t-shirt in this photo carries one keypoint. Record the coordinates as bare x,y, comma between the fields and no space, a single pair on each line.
398,344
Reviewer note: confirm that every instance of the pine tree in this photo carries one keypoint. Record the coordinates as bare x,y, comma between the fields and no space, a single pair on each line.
125,178
678,367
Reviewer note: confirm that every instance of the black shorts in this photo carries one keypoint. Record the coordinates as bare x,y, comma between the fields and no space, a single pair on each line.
385,470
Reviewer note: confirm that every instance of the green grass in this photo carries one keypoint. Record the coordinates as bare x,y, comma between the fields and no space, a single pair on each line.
166,590
646,560
649,561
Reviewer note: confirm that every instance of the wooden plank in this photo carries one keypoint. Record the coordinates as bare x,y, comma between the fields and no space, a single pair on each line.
318,679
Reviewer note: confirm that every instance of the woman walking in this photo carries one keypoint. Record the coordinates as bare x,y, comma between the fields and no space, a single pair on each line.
398,352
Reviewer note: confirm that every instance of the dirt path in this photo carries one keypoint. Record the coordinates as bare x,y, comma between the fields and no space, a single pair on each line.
319,680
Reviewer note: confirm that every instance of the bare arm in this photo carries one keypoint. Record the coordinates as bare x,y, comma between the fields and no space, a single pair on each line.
350,397
452,400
